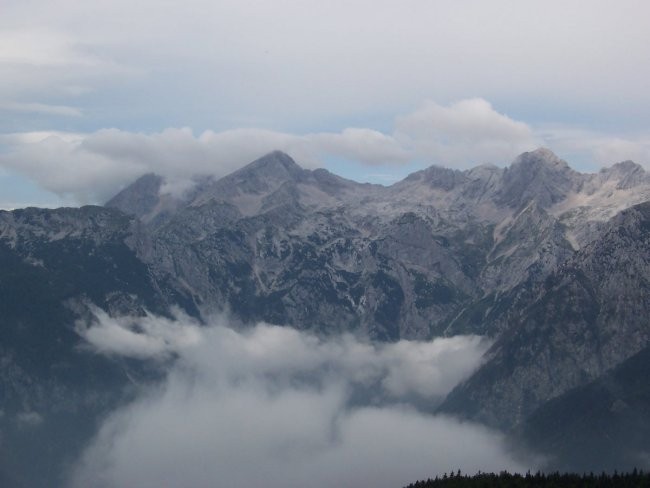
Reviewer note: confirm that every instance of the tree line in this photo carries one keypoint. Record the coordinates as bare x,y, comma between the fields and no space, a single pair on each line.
504,479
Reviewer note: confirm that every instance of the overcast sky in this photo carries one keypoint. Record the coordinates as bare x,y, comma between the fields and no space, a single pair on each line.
95,93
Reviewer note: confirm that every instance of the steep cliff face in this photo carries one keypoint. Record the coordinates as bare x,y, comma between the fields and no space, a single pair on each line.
540,176
55,263
588,316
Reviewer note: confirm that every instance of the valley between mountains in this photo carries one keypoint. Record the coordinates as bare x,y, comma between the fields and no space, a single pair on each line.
550,265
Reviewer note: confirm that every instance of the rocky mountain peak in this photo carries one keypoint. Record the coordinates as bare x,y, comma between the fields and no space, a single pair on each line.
438,177
628,174
539,162
139,198
259,177
542,155
246,187
276,165
537,175
627,167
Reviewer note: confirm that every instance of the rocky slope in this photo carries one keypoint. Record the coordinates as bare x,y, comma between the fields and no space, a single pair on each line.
588,316
421,258
54,264
602,425
550,262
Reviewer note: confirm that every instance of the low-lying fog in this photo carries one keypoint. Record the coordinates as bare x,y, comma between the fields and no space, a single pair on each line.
272,406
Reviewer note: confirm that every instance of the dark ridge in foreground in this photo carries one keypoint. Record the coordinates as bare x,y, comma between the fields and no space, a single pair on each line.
555,480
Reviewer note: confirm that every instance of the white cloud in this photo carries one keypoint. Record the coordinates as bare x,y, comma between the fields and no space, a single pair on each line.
39,47
464,133
428,369
64,167
21,138
598,149
42,108
274,406
468,120
44,64
366,146
143,337
93,167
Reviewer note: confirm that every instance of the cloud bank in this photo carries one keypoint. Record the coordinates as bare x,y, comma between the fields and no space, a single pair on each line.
93,167
468,132
271,406
228,66
602,149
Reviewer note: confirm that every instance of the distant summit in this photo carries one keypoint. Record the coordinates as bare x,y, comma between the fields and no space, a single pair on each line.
140,198
538,175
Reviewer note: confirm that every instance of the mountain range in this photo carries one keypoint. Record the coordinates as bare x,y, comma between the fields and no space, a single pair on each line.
552,264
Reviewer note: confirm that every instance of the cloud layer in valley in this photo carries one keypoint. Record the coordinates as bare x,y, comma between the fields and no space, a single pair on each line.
277,407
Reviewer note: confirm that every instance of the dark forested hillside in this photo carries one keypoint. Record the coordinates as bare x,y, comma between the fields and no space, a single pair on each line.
633,479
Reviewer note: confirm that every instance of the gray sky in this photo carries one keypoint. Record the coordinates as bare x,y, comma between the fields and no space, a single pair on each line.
95,93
